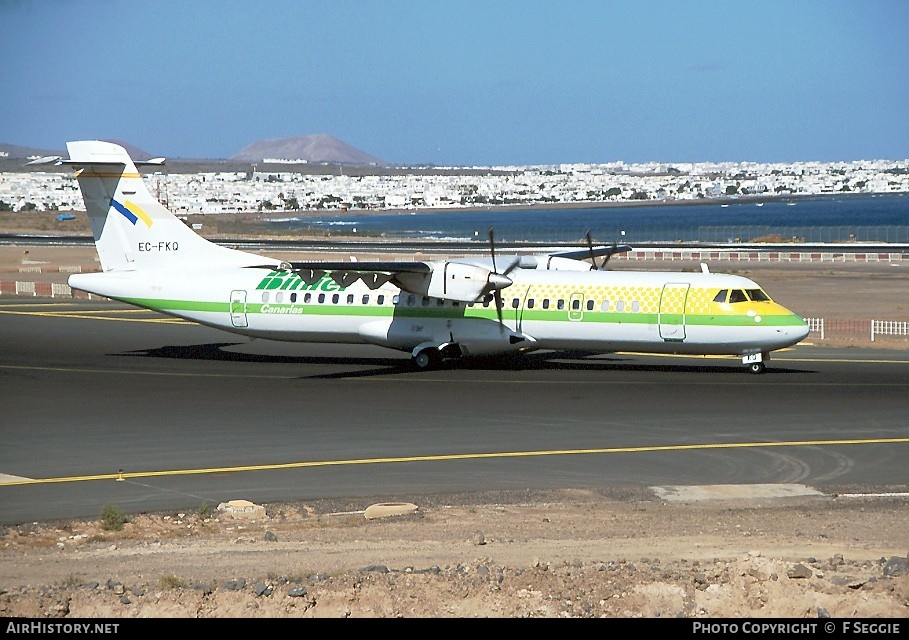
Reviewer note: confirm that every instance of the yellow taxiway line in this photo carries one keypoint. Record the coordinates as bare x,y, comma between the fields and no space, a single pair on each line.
124,475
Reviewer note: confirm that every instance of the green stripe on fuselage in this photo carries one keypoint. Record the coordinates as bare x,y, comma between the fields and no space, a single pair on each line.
448,312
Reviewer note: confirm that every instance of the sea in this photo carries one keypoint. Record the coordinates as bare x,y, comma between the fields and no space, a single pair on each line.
868,218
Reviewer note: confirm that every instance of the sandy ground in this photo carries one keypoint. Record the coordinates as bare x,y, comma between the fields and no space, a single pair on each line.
628,553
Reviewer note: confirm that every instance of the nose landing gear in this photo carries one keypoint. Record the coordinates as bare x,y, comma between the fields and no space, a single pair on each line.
755,362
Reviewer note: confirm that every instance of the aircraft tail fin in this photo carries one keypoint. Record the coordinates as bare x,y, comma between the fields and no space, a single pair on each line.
131,229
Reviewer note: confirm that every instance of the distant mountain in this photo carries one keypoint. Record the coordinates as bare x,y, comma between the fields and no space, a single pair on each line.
319,147
15,152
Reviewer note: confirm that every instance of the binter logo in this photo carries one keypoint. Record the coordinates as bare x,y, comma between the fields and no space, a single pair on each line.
292,282
132,212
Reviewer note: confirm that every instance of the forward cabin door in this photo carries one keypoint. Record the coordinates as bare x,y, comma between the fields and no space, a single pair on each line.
671,316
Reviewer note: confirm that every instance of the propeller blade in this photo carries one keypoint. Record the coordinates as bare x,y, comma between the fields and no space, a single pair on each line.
492,250
593,259
609,255
499,304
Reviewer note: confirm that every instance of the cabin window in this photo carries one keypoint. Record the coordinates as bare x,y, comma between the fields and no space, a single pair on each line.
265,296
515,303
293,297
590,305
721,296
737,295
545,303
365,299
620,306
635,306
411,300
395,299
456,303
757,295
440,302
279,297
350,298
530,303
321,298
575,305
425,301
604,306
380,299
307,297
560,304
335,298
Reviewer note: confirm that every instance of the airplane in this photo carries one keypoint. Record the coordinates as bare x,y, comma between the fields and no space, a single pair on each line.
438,311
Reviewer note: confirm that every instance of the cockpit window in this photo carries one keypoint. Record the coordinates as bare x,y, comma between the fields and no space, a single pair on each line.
757,295
721,296
737,295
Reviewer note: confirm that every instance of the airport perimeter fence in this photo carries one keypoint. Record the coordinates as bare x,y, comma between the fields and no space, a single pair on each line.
876,328
570,233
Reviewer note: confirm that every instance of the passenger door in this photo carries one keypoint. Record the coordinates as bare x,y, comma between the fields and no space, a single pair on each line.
238,308
671,315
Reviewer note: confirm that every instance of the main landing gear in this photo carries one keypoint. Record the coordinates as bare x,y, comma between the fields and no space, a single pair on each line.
432,356
426,359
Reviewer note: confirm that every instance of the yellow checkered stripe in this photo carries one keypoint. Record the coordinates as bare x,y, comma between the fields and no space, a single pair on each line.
648,297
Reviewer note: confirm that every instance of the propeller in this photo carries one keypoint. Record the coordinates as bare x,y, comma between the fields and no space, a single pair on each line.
593,260
499,280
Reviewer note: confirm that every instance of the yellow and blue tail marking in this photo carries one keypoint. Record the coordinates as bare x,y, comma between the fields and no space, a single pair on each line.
132,212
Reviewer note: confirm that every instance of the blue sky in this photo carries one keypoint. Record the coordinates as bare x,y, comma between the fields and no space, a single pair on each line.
460,82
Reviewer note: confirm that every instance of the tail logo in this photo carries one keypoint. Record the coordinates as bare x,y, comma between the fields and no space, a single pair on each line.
132,212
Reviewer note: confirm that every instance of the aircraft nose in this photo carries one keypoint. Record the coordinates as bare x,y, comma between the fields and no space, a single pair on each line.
800,332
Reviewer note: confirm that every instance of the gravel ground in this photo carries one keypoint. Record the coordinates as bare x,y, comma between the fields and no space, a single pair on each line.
625,553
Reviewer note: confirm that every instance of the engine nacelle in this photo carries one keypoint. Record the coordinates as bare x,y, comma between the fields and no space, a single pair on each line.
555,263
455,281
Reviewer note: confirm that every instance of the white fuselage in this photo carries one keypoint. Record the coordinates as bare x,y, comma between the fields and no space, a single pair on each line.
666,312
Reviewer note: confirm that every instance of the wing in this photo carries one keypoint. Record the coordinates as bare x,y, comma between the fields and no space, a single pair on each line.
446,279
574,260
464,280
593,252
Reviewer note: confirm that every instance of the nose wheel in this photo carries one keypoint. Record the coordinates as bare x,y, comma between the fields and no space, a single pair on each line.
755,362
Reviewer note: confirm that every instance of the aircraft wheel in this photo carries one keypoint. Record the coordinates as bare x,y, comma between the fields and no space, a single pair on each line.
426,359
756,367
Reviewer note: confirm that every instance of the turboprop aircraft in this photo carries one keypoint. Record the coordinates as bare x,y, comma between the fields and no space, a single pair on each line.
435,310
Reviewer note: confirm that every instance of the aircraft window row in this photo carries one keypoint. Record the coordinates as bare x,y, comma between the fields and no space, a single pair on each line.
576,304
350,298
307,298
546,303
741,295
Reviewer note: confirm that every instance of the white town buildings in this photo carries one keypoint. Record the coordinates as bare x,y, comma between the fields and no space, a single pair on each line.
292,189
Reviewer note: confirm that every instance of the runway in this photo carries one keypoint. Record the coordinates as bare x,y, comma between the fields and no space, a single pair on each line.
105,404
